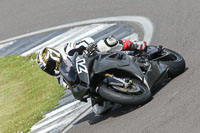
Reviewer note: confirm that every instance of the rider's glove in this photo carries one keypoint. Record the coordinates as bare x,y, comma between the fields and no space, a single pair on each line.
141,45
79,50
136,45
79,47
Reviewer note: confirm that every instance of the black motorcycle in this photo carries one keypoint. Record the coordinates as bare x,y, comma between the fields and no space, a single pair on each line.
126,78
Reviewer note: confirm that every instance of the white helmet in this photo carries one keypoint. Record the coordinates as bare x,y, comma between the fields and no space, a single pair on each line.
49,60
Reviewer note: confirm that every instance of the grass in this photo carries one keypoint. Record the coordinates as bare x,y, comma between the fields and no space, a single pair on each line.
26,93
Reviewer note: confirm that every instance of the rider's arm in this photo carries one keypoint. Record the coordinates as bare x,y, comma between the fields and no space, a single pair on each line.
79,46
112,44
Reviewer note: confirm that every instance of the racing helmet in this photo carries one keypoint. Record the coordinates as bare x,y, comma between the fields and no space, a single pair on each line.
49,59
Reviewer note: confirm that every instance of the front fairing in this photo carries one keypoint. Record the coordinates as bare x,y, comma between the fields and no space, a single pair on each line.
117,61
156,73
82,69
71,77
68,72
121,61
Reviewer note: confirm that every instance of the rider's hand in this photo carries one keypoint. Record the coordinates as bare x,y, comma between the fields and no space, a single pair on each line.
79,50
140,45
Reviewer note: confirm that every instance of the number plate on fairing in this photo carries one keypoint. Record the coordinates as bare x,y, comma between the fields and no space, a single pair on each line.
82,70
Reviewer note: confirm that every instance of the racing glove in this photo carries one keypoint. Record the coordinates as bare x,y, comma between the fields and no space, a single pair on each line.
79,50
79,47
136,45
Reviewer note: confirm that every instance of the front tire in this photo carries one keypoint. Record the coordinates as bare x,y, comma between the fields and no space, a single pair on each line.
175,63
114,96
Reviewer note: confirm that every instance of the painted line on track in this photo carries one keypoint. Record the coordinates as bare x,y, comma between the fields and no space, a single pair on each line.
144,22
67,37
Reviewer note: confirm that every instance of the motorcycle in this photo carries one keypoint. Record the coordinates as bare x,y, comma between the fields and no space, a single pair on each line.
124,77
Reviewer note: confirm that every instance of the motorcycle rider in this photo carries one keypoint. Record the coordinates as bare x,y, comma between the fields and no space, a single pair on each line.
49,59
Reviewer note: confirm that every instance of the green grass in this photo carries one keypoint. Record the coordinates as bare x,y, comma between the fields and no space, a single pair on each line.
26,93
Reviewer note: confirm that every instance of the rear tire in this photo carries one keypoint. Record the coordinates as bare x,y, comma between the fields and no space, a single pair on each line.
126,99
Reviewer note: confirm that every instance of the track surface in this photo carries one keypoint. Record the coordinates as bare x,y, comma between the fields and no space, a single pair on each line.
176,107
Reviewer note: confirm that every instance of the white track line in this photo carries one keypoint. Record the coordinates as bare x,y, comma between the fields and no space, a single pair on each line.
133,37
144,22
67,127
81,36
69,36
56,40
64,122
91,32
62,108
7,44
54,118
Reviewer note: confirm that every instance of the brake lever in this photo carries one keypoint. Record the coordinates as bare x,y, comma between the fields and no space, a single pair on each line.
91,49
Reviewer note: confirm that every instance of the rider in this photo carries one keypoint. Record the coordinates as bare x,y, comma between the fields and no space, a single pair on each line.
49,59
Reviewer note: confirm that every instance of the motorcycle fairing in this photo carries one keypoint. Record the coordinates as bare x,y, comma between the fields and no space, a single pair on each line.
157,71
82,69
116,61
79,92
121,61
68,72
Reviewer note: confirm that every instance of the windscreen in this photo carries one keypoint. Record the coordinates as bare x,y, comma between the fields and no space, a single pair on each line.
68,72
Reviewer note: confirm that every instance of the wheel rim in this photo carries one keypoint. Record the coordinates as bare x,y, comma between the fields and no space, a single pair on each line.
133,89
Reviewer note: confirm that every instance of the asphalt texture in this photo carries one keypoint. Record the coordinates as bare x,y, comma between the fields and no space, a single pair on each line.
176,106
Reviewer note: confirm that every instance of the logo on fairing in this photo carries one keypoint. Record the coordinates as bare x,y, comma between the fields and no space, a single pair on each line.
80,66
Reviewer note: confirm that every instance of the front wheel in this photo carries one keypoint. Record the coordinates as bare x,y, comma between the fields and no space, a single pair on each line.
174,61
126,96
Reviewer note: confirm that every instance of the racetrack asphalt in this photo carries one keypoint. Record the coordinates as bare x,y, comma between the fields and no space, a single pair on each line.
176,106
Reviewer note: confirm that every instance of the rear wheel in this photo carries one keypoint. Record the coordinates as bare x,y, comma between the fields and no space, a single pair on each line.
137,94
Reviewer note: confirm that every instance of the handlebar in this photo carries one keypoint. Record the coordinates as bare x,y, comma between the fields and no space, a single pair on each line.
91,49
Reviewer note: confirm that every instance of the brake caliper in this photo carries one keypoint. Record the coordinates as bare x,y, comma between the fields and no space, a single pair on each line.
123,85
